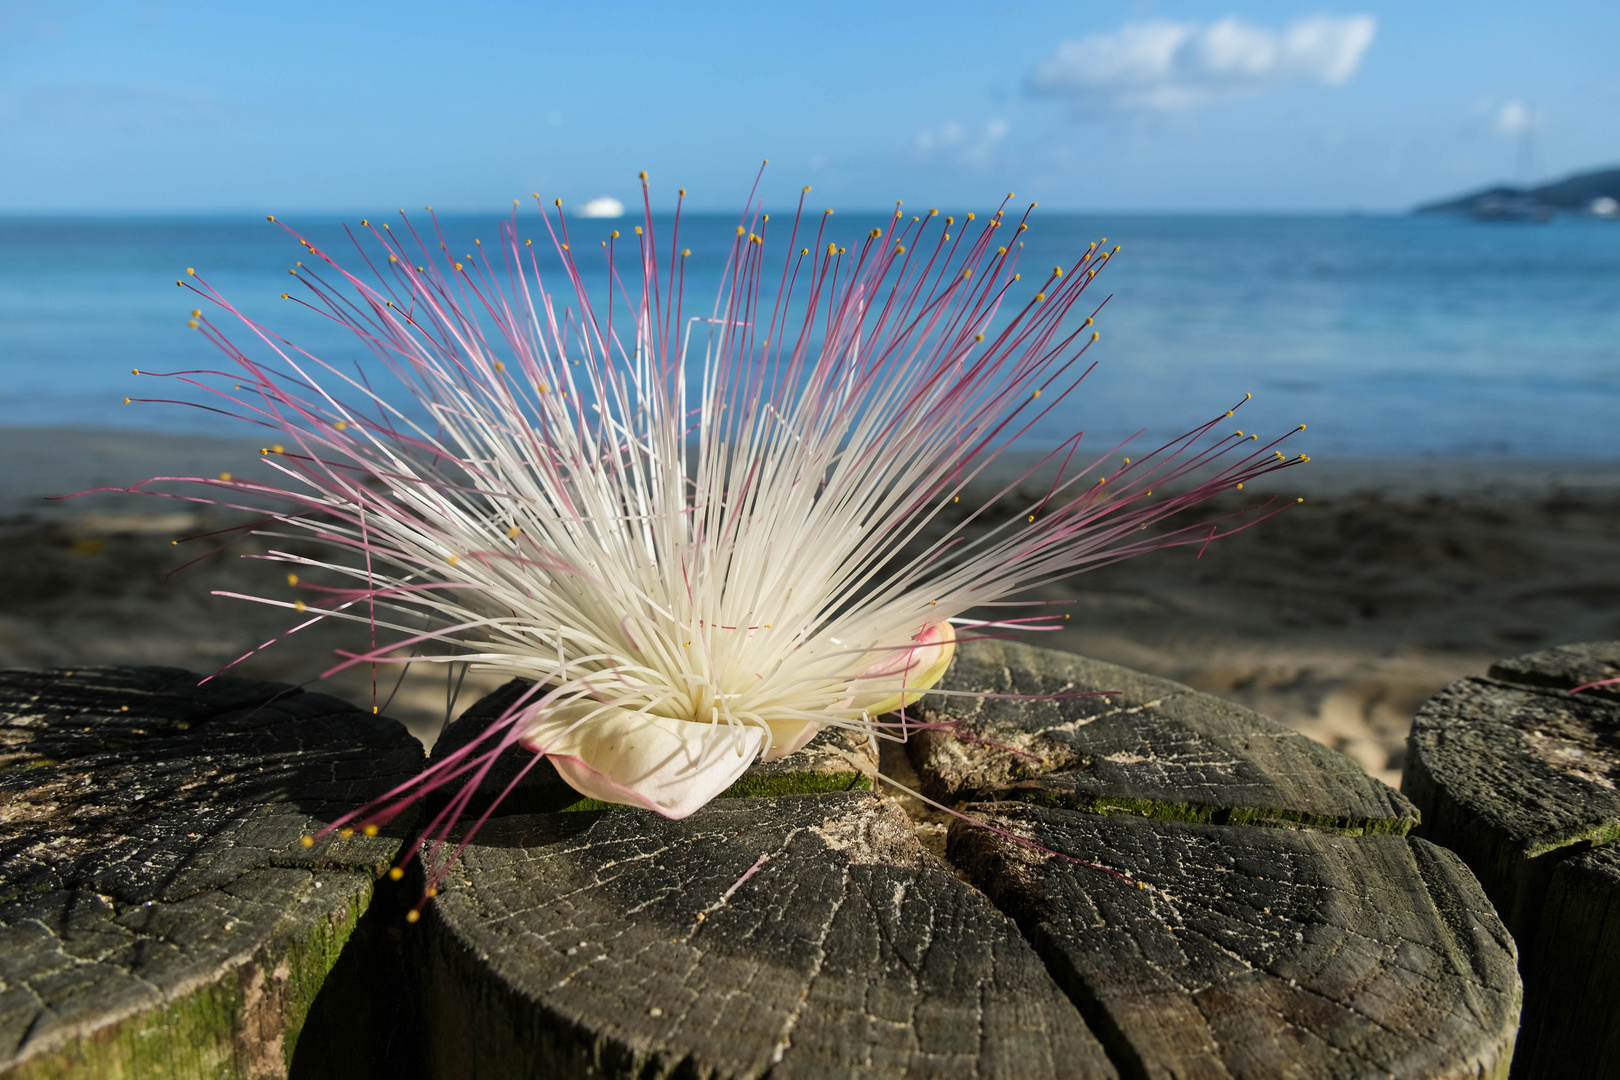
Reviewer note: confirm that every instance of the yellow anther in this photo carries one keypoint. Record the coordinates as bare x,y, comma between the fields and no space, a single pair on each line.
1040,296
875,233
412,915
341,425
947,236
806,190
299,605
134,371
126,401
741,230
284,296
1036,394
1127,461
432,893
1032,517
192,323
190,271
557,202
1088,320
644,174
933,213
1116,249
363,221
1299,500
804,251
395,874
1095,335
1246,397
196,313
685,252
971,215
499,366
225,476
453,559
832,249
1240,486
277,450
513,532
1017,276
393,258
269,217
1301,427
345,833
292,579
978,337
638,230
1057,271
1279,454
966,274
306,840
615,234
682,192
842,250
899,249
371,830
1022,226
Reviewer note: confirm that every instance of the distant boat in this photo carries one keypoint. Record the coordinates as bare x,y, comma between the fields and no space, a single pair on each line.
1511,208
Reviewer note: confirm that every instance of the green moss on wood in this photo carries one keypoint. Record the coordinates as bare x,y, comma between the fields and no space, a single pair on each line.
201,1035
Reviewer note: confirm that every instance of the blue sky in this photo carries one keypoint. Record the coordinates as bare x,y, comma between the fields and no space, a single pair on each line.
293,106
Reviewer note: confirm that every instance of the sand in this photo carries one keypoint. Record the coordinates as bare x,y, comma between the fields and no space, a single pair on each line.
1337,617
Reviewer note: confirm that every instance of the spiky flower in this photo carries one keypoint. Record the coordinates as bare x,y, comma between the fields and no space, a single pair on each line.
699,560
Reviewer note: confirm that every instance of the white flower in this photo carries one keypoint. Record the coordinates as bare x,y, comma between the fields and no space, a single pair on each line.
696,558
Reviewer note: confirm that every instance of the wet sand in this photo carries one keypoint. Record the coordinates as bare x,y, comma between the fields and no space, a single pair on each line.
1337,617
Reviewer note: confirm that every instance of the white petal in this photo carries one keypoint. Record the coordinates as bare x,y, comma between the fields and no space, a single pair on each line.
914,670
789,737
619,756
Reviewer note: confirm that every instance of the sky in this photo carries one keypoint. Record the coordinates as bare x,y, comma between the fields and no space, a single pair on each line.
179,107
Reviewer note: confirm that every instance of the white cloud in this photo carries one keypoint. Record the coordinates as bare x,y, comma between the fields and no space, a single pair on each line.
603,207
1514,118
1170,66
955,143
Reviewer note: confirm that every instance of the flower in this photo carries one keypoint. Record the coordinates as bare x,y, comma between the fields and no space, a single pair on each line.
698,563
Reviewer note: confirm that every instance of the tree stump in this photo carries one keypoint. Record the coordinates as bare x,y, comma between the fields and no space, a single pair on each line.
1267,916
159,916
1518,776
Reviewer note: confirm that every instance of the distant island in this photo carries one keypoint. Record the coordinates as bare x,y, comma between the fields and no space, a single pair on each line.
1596,192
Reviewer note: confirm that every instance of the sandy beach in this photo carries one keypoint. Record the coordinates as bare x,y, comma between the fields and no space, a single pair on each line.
1337,617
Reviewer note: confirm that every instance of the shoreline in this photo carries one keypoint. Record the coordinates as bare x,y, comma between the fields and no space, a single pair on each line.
39,463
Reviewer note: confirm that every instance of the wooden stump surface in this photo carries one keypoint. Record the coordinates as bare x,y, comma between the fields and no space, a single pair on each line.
1287,926
158,915
1519,777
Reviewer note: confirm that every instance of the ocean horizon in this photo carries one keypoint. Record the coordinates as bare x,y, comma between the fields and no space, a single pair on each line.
1389,335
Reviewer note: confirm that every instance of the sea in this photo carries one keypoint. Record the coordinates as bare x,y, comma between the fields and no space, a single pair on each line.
1388,335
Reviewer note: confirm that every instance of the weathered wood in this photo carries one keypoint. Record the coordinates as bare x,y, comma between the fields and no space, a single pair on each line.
158,915
799,936
1519,777
1257,952
1155,748
1515,777
851,951
1572,1003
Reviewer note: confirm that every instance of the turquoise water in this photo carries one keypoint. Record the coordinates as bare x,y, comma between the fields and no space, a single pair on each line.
1387,335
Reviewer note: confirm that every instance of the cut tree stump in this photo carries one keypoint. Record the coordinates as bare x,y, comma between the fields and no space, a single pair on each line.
1286,925
159,917
1519,777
